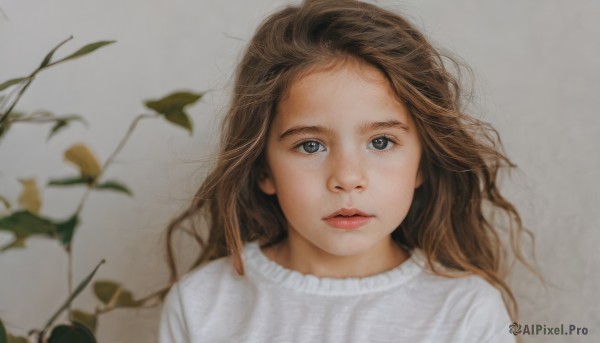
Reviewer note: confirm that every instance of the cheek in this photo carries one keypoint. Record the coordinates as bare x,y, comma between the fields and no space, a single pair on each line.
299,188
399,165
394,179
296,183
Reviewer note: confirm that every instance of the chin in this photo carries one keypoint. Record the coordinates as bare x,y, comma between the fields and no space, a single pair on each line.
346,249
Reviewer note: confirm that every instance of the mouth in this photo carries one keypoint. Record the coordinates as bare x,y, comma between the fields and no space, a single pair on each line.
348,218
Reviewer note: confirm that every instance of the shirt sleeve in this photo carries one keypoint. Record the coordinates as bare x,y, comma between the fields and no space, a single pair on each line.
172,327
489,320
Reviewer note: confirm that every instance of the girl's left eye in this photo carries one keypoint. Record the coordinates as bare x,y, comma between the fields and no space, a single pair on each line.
381,143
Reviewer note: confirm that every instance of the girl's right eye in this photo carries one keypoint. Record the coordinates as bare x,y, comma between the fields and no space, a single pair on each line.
310,147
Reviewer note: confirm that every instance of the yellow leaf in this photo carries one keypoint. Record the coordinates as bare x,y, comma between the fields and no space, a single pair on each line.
84,159
29,198
90,320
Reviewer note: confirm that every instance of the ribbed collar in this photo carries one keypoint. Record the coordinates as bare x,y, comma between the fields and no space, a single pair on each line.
258,264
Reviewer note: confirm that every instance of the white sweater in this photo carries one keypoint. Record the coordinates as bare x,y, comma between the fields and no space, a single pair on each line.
274,304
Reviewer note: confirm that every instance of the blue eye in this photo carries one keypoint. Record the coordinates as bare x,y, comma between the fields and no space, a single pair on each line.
381,143
309,147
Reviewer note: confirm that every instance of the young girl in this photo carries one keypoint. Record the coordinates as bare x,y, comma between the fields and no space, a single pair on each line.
350,199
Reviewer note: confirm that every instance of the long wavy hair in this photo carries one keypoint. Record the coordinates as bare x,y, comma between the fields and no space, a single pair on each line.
450,217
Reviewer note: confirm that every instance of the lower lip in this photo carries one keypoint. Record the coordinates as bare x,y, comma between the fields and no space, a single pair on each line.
348,223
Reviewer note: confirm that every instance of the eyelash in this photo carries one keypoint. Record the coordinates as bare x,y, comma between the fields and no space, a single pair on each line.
393,142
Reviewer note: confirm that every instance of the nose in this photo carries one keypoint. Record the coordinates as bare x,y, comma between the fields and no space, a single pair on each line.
347,173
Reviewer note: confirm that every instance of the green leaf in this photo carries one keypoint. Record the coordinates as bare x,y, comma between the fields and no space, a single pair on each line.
63,122
66,229
4,128
11,82
75,333
5,337
71,181
48,57
173,102
180,119
104,290
172,107
84,282
57,126
24,224
114,186
86,50
89,320
3,334
113,294
78,290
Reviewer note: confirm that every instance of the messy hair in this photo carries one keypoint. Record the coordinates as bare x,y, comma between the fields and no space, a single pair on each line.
450,216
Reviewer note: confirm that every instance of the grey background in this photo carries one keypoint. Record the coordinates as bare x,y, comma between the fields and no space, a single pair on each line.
536,75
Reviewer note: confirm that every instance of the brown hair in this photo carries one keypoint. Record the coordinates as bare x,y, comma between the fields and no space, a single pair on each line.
449,218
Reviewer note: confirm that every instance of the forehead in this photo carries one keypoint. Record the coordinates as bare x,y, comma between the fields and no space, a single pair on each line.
340,93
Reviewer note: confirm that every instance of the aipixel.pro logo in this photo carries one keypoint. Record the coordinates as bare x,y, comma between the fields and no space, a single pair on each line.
543,329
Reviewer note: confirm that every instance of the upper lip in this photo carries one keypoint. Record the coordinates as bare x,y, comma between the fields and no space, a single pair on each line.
347,212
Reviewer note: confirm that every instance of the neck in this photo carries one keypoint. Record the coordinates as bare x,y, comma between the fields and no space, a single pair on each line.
297,254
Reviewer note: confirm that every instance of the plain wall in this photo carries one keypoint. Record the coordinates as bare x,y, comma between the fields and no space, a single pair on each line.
537,80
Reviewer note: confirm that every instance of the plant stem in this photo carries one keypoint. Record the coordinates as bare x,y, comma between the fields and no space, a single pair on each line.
21,91
29,79
105,166
70,299
69,274
124,140
157,294
35,117
111,158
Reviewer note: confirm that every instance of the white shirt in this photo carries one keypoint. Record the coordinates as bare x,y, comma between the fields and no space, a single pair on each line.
273,304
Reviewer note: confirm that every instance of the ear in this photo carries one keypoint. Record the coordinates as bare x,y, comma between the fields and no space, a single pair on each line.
266,183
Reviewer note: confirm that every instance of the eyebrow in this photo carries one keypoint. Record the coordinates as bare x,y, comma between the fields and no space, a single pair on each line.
363,128
379,125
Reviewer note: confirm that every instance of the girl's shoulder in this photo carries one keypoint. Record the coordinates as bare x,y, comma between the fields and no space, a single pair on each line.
467,300
202,289
192,301
446,282
455,289
215,278
209,278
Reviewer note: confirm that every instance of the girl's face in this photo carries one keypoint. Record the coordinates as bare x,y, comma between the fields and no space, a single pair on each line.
341,141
